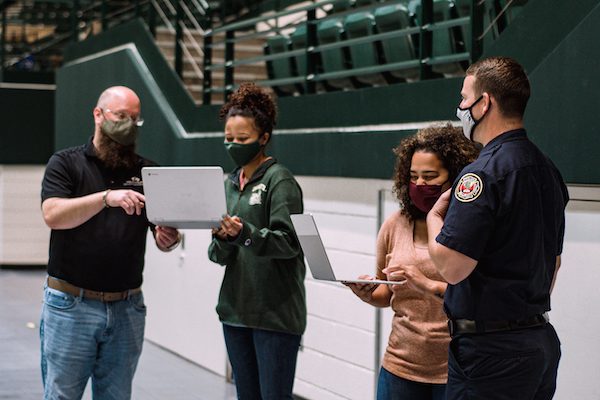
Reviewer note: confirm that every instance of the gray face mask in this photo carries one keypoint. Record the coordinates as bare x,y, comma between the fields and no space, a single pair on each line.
468,121
124,132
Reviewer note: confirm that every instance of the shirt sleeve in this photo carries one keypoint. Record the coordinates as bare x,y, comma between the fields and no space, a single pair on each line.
471,214
58,181
221,251
561,228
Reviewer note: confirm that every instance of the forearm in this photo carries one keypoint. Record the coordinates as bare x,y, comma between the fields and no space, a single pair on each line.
434,227
63,213
380,297
451,264
437,289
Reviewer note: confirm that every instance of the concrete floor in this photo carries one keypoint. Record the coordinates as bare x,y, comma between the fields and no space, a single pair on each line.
161,375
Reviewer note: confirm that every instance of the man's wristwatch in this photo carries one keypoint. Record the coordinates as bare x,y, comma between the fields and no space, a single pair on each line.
174,245
104,194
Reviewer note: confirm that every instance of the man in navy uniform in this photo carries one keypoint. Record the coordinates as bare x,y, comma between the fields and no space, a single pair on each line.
496,237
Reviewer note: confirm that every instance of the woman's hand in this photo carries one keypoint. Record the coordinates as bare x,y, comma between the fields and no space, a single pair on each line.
219,233
364,291
231,226
411,276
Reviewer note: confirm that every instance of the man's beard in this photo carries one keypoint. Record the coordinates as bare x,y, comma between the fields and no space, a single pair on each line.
114,155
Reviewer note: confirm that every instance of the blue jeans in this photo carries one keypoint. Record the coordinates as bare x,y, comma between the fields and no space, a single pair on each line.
82,338
392,387
263,362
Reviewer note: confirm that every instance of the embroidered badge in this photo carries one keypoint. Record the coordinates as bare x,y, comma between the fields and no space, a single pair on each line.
134,181
256,196
469,188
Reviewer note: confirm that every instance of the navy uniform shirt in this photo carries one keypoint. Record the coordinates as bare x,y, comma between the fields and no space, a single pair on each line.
507,212
105,253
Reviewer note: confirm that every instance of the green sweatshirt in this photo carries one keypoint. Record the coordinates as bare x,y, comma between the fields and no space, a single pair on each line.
263,285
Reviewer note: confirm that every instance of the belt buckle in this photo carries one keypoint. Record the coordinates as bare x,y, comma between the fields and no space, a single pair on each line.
451,327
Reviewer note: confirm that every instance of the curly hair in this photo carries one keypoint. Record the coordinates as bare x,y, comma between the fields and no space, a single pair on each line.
254,102
445,141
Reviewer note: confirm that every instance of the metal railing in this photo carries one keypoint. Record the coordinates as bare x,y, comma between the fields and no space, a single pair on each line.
79,19
424,30
190,21
425,60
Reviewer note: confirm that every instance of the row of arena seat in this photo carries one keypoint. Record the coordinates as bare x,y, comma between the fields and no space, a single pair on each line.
370,21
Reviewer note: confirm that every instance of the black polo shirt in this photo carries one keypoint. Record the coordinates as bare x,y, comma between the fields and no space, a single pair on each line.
105,253
507,212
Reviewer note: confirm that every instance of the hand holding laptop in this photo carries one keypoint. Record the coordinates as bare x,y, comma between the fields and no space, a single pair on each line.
230,226
364,291
409,274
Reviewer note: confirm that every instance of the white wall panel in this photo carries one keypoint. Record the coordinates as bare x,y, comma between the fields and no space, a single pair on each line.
310,391
340,341
24,237
575,304
335,375
181,290
338,304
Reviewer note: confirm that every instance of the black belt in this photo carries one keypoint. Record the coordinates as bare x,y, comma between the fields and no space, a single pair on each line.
466,326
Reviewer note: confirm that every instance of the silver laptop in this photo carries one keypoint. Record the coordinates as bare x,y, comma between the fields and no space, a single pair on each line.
315,253
184,197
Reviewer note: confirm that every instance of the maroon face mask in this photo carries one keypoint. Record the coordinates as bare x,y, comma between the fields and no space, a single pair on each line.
424,196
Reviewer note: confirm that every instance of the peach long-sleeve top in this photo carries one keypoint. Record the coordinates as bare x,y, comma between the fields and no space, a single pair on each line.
418,345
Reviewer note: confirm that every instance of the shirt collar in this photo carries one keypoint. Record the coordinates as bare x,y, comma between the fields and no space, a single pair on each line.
260,171
90,149
503,138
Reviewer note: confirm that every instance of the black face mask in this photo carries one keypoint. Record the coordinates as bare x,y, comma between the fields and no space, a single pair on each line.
242,154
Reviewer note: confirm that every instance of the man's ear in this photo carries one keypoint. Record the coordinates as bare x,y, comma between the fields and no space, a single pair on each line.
487,101
97,113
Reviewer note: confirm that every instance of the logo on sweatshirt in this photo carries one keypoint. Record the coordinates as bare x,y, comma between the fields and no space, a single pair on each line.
256,196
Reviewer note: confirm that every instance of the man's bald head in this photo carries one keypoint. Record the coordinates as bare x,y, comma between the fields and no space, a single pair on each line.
118,96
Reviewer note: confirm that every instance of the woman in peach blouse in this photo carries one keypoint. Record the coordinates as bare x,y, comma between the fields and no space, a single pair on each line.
415,363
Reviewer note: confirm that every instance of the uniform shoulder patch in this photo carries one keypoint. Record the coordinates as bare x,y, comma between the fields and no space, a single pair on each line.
469,187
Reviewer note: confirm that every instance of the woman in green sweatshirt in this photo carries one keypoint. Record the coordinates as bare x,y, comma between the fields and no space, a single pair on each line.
262,303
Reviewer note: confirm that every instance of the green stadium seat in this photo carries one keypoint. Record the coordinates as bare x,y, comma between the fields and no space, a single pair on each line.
282,67
341,6
393,18
298,42
358,25
331,30
364,3
446,41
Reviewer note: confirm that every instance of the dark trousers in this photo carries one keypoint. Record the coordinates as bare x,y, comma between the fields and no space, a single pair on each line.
263,362
520,364
392,387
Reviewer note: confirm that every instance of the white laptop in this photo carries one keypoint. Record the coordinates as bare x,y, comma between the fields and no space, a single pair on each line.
315,253
184,197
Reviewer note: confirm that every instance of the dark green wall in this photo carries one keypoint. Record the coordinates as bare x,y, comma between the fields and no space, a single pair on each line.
554,41
27,131
560,51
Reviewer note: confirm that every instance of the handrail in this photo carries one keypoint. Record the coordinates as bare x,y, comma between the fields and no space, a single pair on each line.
347,42
255,20
424,60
